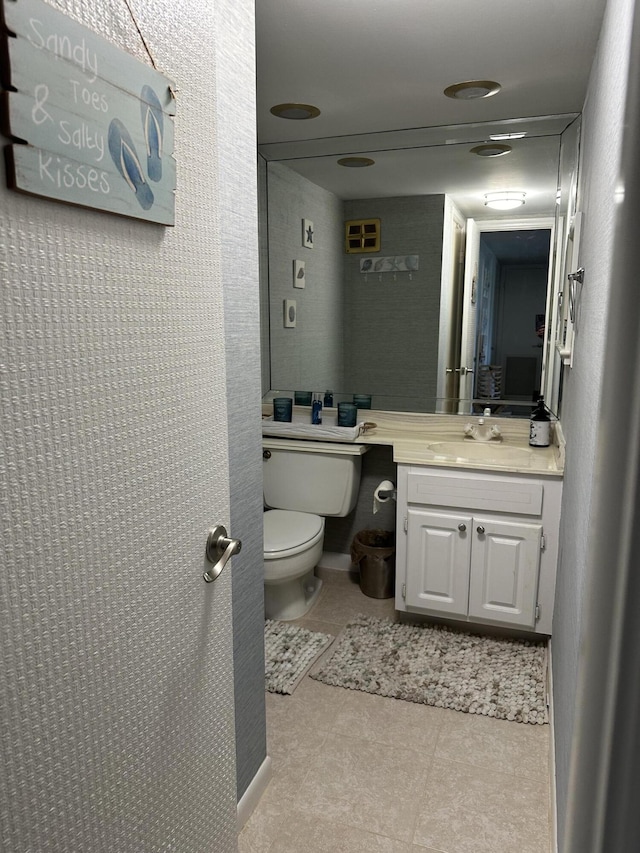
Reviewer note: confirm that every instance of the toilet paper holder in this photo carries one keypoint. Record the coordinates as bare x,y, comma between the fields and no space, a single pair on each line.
387,493
384,492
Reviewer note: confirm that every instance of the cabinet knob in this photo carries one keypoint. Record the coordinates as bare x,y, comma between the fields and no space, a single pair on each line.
480,529
462,527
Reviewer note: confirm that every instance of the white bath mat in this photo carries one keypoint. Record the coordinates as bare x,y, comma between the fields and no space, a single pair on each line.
289,652
436,665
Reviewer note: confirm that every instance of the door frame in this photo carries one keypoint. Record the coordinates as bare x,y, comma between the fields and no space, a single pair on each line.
450,302
469,319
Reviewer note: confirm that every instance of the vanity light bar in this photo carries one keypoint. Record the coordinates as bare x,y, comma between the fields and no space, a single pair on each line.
499,137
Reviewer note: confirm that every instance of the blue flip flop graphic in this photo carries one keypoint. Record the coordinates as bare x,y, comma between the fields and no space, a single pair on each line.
124,155
152,124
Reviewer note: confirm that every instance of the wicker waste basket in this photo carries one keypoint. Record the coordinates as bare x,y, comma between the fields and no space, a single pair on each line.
374,551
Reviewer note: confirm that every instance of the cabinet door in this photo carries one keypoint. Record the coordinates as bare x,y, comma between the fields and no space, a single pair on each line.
438,555
505,561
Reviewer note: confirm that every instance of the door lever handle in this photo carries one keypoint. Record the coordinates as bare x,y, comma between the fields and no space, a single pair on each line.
218,550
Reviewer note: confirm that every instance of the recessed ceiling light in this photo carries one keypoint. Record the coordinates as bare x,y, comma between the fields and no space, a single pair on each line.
497,137
472,89
504,200
490,150
298,112
355,162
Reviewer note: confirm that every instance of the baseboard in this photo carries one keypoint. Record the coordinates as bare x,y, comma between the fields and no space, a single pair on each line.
256,789
553,801
336,561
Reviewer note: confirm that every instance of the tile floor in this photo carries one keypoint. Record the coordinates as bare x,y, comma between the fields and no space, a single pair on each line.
360,773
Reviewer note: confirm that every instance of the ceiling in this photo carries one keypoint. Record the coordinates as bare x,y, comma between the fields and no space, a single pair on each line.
518,247
377,69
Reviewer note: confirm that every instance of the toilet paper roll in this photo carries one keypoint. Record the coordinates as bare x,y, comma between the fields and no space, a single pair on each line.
378,499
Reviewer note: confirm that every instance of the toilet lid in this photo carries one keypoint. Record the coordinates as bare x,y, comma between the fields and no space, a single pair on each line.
286,529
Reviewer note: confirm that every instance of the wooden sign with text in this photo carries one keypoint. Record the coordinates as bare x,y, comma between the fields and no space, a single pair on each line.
91,125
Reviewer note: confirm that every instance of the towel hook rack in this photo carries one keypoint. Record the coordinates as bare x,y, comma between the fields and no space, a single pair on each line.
575,278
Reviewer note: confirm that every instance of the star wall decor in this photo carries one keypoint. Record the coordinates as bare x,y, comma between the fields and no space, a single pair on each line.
307,233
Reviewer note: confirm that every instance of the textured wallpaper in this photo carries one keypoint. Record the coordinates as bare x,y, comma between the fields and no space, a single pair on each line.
377,465
239,263
600,156
392,320
116,690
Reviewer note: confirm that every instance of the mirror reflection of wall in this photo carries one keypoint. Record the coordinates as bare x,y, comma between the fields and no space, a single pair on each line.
391,318
566,214
309,357
372,332
380,334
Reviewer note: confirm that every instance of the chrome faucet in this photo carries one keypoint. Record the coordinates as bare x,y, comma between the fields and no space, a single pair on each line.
483,431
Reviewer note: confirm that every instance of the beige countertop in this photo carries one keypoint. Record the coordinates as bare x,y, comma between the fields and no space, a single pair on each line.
414,435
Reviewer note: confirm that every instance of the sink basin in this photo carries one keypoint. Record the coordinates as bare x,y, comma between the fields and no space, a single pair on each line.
472,451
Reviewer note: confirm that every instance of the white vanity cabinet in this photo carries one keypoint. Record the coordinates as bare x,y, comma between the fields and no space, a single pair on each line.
477,546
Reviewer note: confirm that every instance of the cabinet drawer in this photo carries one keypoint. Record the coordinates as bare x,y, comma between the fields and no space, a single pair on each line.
518,498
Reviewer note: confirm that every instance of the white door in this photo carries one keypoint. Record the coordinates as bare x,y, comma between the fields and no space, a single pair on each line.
505,560
469,318
451,296
116,684
438,554
116,687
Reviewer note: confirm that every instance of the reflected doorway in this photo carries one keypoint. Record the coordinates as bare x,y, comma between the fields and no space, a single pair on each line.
511,295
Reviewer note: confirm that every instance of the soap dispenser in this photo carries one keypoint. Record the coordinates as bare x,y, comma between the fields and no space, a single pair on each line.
540,425
316,409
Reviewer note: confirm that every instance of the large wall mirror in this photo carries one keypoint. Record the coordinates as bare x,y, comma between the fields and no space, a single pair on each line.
459,305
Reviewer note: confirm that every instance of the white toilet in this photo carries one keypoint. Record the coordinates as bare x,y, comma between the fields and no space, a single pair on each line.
303,482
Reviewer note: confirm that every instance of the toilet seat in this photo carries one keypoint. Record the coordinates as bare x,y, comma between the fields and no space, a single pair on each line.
287,532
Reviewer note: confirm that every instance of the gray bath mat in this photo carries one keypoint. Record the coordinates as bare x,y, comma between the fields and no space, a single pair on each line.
436,665
289,652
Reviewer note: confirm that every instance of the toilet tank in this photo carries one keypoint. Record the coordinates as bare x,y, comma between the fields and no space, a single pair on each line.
321,477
